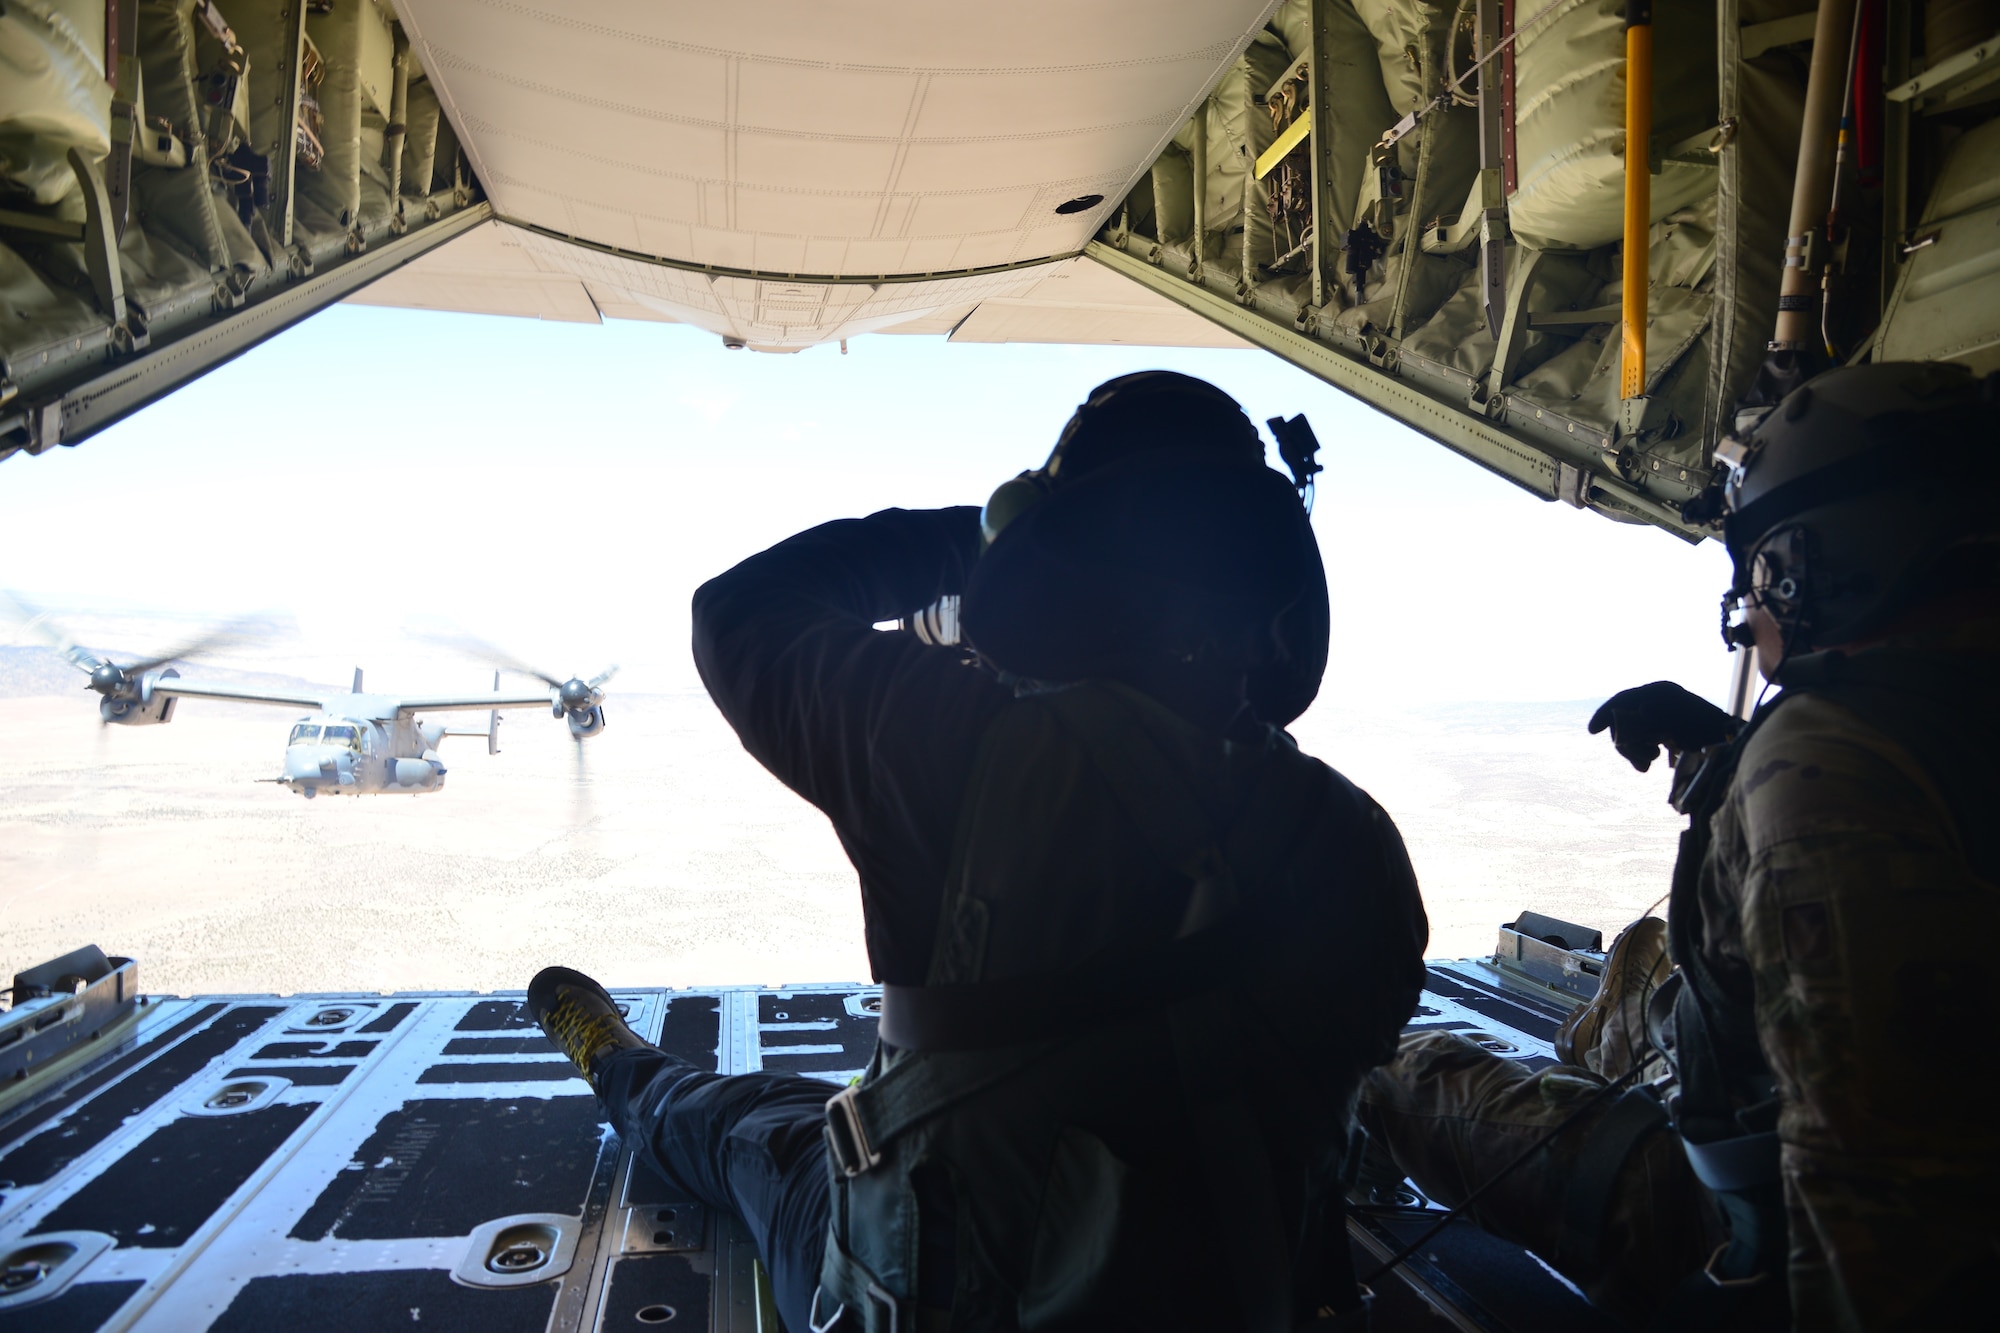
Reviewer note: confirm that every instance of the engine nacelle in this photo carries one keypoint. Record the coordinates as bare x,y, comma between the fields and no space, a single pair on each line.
585,722
140,706
417,772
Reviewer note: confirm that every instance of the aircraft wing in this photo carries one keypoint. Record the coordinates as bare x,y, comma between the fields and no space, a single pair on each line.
445,703
245,694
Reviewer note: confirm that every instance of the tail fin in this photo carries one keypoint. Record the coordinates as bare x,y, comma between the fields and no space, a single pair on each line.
493,722
357,680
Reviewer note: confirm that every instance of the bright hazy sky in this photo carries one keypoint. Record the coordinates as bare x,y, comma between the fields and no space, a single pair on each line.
562,489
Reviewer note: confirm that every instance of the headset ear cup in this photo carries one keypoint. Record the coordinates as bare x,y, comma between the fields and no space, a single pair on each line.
1280,691
1009,501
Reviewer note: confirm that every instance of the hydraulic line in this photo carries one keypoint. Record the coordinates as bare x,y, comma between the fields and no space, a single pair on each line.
1812,186
1638,193
399,114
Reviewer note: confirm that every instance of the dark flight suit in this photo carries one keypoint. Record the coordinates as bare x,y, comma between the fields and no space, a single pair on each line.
1842,916
883,734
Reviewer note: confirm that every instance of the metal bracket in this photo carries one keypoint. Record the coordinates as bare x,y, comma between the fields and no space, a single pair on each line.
518,1251
847,1138
1968,70
1514,323
1493,228
64,1003
1638,416
44,1266
1572,485
100,241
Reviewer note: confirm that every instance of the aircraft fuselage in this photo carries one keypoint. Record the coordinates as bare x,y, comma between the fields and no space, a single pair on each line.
346,753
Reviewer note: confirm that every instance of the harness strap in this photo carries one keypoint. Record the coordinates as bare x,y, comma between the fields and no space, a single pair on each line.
865,1118
1740,1162
1263,835
1902,694
1228,1150
1171,821
965,1038
1593,1180
1218,934
1334,1298
1012,1011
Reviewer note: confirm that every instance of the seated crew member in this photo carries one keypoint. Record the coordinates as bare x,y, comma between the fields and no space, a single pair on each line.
1833,917
1138,950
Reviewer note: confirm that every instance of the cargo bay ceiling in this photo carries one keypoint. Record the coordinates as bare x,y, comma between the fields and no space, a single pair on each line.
792,176
1422,202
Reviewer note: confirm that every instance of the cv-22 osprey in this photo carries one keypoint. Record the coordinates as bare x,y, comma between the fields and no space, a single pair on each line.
352,743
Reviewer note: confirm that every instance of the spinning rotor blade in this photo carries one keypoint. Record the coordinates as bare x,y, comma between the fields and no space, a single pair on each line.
474,646
230,633
39,624
46,628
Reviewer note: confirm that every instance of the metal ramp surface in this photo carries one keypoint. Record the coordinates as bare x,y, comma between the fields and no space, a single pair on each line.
429,1161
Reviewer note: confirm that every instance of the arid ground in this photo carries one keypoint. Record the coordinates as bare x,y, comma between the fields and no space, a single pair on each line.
668,856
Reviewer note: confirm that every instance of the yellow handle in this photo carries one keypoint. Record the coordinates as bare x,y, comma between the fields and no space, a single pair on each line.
1268,160
1638,204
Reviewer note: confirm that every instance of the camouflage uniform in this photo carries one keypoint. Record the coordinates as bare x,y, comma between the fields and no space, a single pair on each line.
1844,906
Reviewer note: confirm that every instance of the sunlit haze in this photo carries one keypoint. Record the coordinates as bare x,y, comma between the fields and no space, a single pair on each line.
561,490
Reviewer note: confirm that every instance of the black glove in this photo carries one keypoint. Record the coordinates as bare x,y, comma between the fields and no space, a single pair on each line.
1646,717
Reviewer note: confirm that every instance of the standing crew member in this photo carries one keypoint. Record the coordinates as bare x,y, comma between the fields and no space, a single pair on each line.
1137,949
1833,918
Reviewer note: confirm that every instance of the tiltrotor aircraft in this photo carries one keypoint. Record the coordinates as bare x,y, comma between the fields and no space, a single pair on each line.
351,744
1562,238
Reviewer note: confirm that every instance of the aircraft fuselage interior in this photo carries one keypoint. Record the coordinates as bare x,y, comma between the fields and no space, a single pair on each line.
1563,239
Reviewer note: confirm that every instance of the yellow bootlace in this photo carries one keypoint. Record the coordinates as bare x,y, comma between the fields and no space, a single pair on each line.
579,1032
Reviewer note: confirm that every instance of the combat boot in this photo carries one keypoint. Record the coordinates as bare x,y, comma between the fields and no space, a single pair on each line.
1608,1035
581,1019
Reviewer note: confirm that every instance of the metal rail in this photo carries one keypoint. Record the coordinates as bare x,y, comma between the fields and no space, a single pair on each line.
130,383
1470,434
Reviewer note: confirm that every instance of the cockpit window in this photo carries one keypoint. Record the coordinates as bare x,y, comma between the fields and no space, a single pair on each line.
305,733
341,736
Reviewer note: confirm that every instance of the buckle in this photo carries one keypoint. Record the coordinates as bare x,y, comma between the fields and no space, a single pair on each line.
846,1140
1357,1318
1727,1283
882,1300
813,1319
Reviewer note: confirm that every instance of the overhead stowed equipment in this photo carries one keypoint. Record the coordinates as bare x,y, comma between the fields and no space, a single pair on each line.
1426,205
180,179
1553,234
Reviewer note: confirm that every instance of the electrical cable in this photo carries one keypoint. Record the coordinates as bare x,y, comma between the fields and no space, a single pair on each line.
1841,142
1458,94
1452,88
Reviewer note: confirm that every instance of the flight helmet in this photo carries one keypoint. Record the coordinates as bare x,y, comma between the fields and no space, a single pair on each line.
1145,411
1840,505
1153,516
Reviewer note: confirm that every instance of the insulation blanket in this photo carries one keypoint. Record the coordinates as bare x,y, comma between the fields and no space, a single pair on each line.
53,95
1569,118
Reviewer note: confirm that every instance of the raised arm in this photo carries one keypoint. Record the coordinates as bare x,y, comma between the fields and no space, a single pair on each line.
877,730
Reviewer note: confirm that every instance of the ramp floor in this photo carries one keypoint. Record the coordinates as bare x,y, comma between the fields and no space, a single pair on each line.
341,1162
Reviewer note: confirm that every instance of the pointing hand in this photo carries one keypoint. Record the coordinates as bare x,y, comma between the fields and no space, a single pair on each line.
1647,717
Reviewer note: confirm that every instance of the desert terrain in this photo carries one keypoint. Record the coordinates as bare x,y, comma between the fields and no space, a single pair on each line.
662,854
